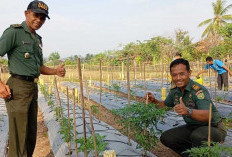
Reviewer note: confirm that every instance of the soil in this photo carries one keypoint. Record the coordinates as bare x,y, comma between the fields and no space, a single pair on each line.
42,148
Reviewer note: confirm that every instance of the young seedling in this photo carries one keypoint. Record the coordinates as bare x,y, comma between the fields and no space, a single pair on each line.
215,150
100,142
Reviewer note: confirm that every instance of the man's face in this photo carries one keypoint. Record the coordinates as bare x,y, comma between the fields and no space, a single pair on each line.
34,20
180,75
209,62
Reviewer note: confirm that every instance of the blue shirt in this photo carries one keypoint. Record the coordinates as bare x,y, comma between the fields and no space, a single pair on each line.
217,65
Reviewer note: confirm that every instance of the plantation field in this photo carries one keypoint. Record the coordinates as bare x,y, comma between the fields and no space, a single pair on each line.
103,96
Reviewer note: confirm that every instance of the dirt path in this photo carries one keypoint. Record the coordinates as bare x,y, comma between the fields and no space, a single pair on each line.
42,148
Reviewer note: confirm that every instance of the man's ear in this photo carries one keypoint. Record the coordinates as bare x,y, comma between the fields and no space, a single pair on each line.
190,73
26,12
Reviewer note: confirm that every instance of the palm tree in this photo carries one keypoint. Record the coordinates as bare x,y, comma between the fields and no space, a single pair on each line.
220,18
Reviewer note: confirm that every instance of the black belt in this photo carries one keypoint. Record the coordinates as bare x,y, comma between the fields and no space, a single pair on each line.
26,78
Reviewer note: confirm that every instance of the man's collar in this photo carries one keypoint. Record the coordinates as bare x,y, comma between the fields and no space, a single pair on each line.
189,85
25,27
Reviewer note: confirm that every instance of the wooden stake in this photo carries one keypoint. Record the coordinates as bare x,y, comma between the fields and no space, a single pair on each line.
93,133
128,91
69,153
100,80
91,123
209,75
135,72
162,73
60,114
82,104
144,77
215,89
74,122
209,126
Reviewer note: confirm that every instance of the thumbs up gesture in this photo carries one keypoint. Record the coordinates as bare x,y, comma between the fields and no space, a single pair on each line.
60,70
180,108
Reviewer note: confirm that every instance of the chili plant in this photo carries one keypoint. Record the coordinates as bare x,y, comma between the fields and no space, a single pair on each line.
215,150
142,120
133,93
218,99
115,87
94,109
100,140
228,121
66,129
58,111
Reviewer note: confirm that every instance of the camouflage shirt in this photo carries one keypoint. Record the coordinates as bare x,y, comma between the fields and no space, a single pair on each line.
195,96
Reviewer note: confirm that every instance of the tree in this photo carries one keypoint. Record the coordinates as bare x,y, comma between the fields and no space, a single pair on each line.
220,18
54,58
183,44
88,57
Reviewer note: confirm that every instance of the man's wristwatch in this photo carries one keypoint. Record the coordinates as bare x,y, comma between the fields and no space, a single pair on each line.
190,111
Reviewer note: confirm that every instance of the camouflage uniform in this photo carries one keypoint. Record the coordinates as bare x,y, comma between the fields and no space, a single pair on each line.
195,96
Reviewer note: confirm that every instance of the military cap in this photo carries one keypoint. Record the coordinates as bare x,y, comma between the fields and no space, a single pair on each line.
39,7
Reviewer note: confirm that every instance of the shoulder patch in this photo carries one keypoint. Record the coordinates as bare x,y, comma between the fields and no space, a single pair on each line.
16,25
195,87
200,95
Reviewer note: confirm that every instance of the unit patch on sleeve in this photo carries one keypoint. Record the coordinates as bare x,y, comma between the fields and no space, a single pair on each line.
200,94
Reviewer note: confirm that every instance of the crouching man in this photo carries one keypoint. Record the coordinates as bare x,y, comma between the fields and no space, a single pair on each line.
192,101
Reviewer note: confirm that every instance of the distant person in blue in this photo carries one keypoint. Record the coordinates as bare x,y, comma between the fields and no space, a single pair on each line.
222,70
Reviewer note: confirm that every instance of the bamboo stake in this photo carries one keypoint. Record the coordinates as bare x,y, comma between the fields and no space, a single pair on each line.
209,126
144,131
91,123
162,74
83,105
59,102
144,77
74,123
209,74
215,89
128,91
93,133
122,71
69,153
100,80
135,72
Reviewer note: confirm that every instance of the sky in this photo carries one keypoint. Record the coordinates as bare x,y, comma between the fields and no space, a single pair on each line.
78,27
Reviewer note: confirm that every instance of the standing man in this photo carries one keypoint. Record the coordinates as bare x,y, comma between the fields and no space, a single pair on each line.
192,101
222,70
23,47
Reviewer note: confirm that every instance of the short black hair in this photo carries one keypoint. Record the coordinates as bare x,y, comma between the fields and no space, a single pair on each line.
209,58
180,61
178,54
